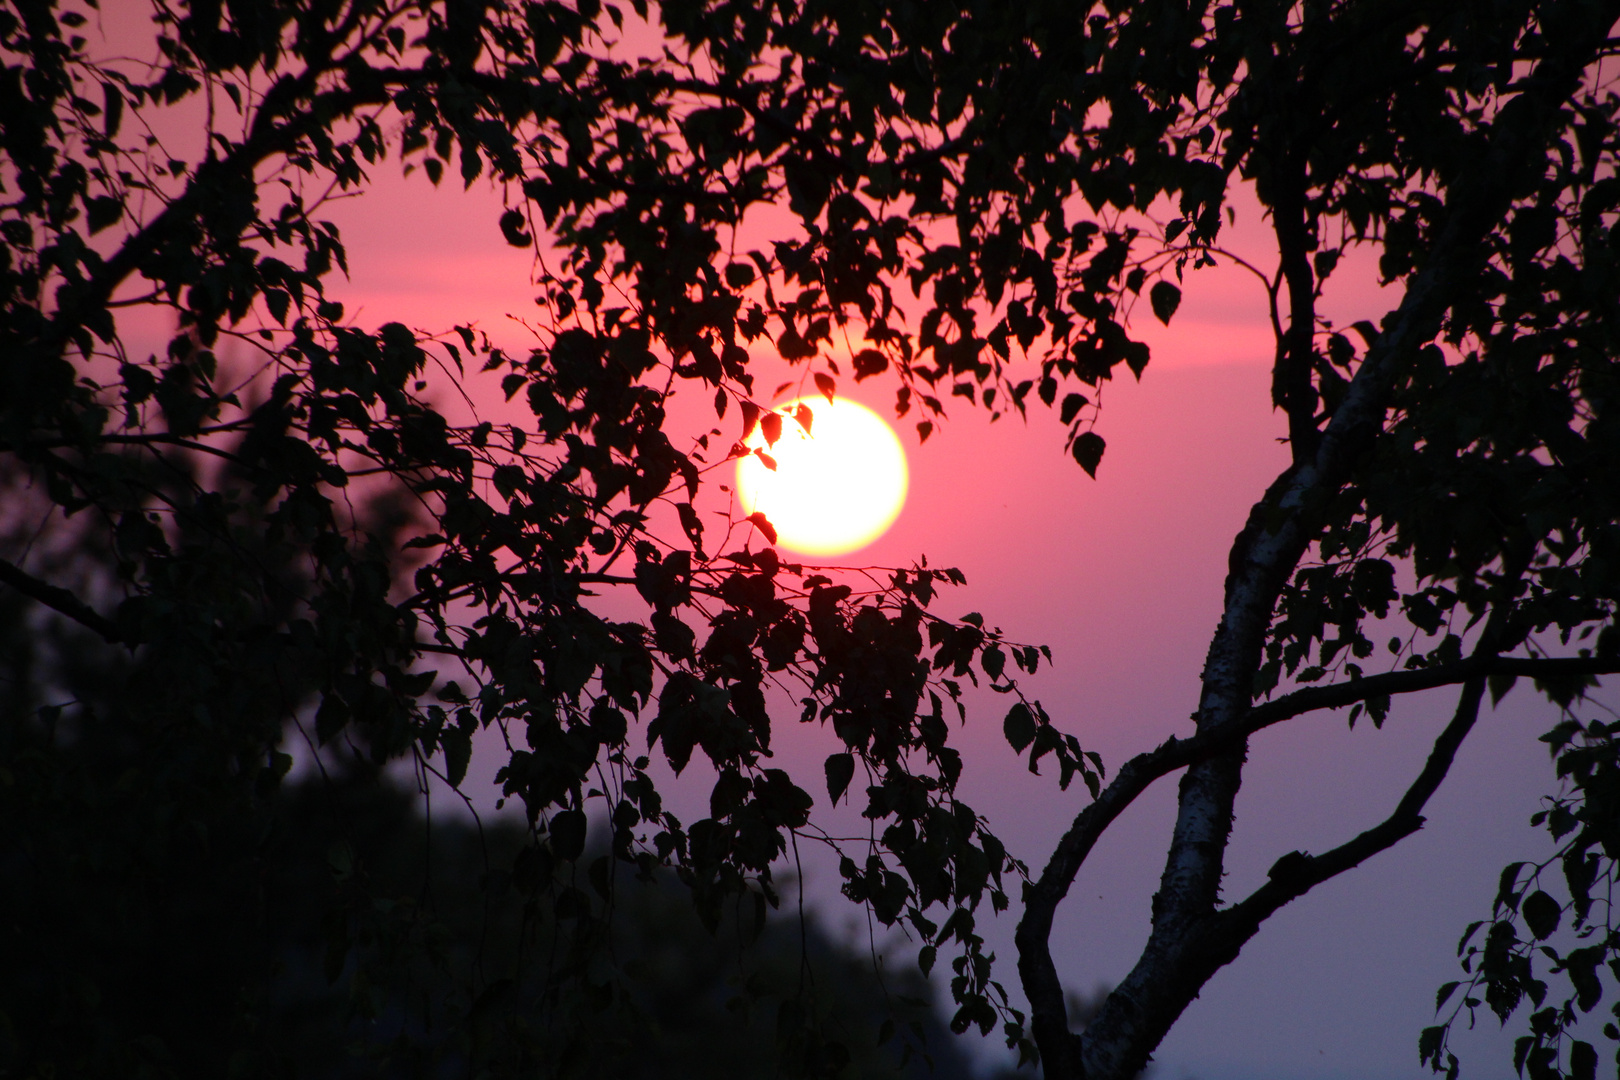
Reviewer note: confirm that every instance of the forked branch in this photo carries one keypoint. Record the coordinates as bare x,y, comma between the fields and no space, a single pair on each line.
1297,873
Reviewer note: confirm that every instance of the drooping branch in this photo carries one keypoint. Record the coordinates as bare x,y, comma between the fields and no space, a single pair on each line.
60,600
145,439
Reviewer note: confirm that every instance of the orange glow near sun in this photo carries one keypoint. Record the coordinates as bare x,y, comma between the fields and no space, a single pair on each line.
835,488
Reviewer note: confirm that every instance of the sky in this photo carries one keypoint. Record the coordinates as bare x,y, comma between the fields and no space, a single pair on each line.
1121,576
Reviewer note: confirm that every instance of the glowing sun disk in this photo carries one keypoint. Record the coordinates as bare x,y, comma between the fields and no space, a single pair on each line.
835,488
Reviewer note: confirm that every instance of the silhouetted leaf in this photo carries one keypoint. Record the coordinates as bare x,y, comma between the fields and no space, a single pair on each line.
766,529
1019,727
1088,451
512,223
1072,404
869,362
840,771
1541,914
1165,298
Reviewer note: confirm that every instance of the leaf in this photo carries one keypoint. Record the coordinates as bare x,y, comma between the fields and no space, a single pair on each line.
102,211
1072,404
792,345
691,525
512,223
1019,727
869,362
1088,451
330,718
567,829
840,770
1165,298
1507,886
278,302
113,98
457,746
1582,966
826,385
1541,914
764,526
770,426
472,163
1583,1061
1429,1043
1136,357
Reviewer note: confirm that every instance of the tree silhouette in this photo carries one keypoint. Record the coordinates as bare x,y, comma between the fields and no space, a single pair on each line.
979,197
330,930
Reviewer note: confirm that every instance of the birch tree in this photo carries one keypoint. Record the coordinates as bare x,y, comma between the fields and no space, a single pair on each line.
980,199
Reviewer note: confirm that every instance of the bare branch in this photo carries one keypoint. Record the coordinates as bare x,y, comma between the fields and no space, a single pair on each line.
1338,695
1297,873
1138,774
60,600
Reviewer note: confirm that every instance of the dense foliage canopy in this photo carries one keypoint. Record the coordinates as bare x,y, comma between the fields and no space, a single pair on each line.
977,198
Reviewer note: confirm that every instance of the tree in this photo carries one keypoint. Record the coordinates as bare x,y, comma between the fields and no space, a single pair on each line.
1454,458
335,930
341,934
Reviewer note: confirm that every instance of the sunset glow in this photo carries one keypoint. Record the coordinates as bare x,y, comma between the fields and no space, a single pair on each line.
836,487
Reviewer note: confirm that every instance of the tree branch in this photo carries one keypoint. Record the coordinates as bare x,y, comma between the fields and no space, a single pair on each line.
1338,695
1042,896
144,439
60,600
1173,966
1297,873
1291,388
273,132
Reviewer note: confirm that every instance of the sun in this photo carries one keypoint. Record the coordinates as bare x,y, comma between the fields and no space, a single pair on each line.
836,487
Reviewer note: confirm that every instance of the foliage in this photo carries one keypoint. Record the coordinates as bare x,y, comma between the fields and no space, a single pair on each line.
327,929
979,196
352,938
1502,966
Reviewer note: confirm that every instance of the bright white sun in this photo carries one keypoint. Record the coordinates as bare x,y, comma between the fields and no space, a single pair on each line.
836,487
